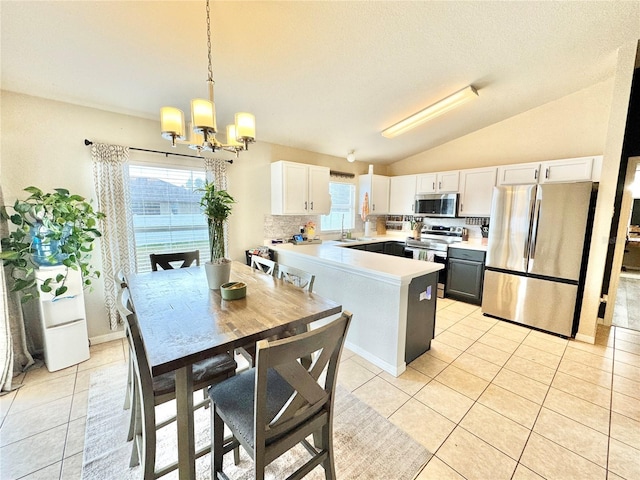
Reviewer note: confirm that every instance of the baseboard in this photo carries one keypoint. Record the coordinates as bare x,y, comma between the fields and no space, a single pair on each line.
107,337
394,370
581,337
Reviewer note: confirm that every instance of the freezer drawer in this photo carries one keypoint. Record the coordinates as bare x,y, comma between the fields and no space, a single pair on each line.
534,302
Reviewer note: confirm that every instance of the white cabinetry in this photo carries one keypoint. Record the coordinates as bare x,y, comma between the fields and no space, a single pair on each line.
299,189
377,188
441,182
552,171
402,194
476,191
63,320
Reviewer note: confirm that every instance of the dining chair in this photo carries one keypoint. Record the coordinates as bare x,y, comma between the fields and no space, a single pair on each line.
150,392
164,260
263,264
297,277
276,405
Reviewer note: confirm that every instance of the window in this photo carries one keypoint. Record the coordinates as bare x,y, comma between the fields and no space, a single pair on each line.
343,197
166,212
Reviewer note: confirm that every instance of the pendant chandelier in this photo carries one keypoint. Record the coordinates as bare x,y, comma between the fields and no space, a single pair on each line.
203,128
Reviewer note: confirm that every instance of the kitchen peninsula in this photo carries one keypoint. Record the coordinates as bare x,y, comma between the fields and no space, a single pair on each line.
393,299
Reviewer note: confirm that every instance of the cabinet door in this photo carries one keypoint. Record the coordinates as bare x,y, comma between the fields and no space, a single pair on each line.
289,189
521,174
379,198
319,196
567,170
464,280
426,183
476,190
448,182
402,193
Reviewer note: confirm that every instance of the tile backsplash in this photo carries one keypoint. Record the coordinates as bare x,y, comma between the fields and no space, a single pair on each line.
284,226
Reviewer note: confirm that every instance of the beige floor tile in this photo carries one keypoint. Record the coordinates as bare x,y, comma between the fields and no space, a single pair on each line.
624,405
476,366
545,342
48,444
584,372
630,347
443,352
455,340
444,400
5,403
75,437
436,469
524,386
475,324
41,374
465,331
367,364
497,430
510,331
31,396
589,359
538,356
580,388
624,460
605,336
26,423
580,410
523,473
628,358
464,308
410,382
352,375
423,424
626,386
46,473
601,350
477,318
346,354
71,467
428,365
625,429
512,406
104,354
530,369
381,396
462,382
449,316
499,342
443,303
79,405
574,436
627,335
488,353
553,461
475,459
627,371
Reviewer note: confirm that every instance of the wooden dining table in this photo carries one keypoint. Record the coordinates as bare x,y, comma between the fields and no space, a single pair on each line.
182,322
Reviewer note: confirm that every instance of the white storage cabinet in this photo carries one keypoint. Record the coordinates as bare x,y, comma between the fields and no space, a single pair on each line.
476,191
402,194
579,169
299,189
377,187
63,320
440,182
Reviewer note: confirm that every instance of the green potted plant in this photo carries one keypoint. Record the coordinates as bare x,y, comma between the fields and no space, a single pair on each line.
51,229
216,204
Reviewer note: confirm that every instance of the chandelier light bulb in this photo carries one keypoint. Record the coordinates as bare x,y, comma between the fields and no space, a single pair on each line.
351,157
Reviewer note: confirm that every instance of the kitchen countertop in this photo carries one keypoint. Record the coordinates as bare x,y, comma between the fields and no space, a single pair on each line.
333,252
470,245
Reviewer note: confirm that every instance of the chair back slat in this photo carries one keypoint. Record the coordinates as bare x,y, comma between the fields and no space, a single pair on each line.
309,396
165,260
297,277
263,264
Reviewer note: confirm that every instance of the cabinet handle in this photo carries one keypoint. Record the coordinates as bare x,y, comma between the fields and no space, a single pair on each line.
311,205
413,207
434,186
374,207
535,174
305,205
546,173
439,185
462,207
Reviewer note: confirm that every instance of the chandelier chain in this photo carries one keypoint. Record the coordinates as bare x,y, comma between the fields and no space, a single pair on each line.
210,79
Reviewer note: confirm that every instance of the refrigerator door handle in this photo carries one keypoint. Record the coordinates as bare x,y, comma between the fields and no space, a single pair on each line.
534,232
527,241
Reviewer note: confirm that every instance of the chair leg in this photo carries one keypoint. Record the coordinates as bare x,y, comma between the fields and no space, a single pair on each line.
327,444
127,395
217,440
134,411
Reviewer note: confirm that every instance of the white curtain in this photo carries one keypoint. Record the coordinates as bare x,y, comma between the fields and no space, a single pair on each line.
216,171
111,178
14,354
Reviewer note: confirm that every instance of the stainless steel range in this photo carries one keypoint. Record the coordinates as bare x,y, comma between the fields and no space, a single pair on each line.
432,246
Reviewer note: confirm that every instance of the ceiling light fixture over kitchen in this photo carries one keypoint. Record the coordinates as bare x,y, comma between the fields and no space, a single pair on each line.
203,127
351,157
432,111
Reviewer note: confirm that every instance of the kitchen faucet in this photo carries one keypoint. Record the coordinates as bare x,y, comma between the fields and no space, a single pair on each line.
342,234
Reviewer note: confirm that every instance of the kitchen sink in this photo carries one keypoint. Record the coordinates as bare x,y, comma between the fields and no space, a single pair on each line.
345,240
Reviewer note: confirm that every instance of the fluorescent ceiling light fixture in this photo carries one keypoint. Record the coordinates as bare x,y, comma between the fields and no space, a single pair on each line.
432,111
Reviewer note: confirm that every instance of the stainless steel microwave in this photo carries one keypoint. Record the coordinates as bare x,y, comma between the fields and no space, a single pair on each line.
437,205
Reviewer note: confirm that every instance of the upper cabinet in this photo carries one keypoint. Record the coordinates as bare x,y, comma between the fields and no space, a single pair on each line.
476,191
441,182
299,189
402,194
377,188
553,171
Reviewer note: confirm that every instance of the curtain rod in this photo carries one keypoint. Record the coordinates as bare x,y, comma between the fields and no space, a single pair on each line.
166,154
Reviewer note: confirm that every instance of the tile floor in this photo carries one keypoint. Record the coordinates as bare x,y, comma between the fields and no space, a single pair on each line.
490,399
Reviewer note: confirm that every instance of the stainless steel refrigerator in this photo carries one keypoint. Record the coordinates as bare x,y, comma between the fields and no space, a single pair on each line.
536,255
